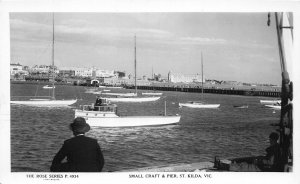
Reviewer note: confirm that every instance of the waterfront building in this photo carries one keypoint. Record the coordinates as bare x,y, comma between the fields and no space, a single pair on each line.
186,78
105,73
42,69
83,72
88,72
17,69
66,73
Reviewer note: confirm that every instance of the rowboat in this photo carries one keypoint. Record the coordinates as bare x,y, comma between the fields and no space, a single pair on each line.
106,116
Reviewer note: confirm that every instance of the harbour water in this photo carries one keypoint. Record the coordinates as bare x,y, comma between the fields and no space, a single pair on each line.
38,133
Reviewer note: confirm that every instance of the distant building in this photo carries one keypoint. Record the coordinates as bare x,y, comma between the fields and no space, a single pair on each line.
67,73
88,72
83,72
120,74
105,73
43,69
187,78
17,69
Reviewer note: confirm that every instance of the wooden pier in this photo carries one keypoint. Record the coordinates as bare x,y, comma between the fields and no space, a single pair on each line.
243,92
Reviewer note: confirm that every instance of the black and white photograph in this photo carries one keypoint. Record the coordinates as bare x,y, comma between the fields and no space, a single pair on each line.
148,95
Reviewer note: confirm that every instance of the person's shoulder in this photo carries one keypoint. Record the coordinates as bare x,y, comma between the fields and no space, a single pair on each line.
90,138
69,140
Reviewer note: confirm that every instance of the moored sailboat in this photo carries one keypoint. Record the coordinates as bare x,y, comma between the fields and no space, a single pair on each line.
131,97
198,104
50,100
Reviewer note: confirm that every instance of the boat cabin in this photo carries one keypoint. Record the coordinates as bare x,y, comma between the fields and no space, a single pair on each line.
104,108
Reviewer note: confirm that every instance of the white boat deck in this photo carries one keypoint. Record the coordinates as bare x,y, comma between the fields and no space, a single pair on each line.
106,116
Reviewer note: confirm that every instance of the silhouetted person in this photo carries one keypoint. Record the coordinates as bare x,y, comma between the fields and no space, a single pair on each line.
98,101
272,161
83,153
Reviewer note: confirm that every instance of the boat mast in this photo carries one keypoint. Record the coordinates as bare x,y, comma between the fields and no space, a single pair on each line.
135,64
286,120
152,73
53,89
202,77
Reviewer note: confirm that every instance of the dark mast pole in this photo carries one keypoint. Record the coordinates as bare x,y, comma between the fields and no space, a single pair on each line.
135,64
53,89
202,76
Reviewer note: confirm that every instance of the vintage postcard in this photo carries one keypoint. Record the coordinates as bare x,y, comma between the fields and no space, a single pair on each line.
142,92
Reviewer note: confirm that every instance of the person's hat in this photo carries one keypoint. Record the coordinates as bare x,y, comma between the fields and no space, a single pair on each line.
79,125
274,136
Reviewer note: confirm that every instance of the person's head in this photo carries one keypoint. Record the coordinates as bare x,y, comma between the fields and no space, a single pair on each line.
98,96
273,138
79,126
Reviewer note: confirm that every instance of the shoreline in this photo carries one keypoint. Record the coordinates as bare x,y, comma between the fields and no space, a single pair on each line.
264,91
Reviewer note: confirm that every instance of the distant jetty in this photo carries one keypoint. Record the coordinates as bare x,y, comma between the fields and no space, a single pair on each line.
266,91
213,90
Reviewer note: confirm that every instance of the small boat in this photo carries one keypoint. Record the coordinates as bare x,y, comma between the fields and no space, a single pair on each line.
131,99
270,102
114,87
194,104
106,89
106,116
197,104
48,87
152,93
97,92
120,94
49,101
276,107
45,102
241,106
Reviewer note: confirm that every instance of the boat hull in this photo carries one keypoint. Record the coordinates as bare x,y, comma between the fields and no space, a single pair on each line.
133,99
157,94
209,106
270,102
121,94
133,121
277,107
110,119
48,87
52,103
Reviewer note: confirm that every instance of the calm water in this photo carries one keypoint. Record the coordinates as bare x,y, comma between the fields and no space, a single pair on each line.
38,133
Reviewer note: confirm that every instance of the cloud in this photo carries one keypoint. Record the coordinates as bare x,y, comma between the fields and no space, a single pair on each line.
81,31
201,40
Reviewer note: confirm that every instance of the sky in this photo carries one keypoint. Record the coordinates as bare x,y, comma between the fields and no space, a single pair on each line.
235,46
